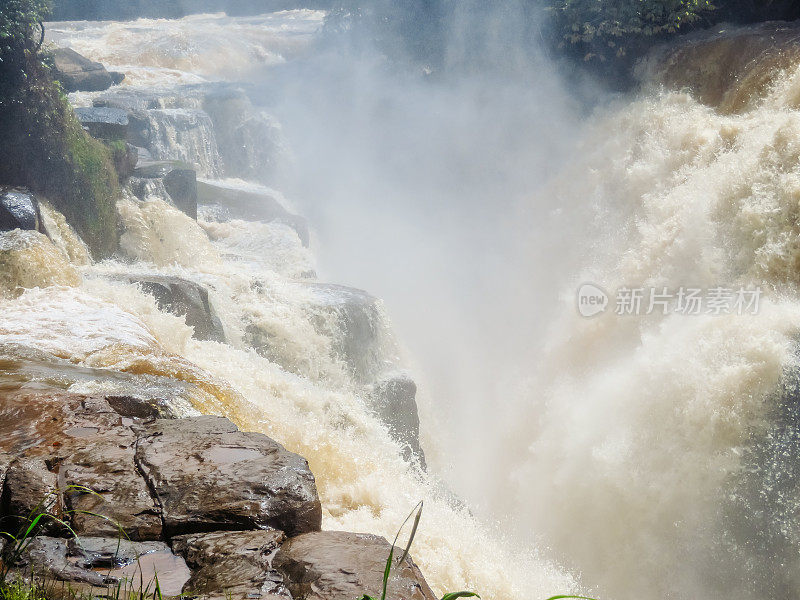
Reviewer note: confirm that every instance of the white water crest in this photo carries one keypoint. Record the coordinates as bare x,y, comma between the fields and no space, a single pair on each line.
623,456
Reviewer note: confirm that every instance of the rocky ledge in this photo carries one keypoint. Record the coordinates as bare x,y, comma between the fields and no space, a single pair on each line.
213,511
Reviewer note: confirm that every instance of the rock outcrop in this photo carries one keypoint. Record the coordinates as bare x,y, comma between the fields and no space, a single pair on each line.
229,202
209,509
19,209
226,479
337,565
182,298
179,181
233,565
79,74
393,398
194,474
104,123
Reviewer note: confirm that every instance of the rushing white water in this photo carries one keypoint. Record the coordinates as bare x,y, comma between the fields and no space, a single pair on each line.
647,455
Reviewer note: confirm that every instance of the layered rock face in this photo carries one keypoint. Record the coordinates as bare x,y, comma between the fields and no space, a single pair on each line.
213,511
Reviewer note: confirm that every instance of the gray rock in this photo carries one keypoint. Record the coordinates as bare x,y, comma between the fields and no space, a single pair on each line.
337,565
356,327
179,179
229,480
393,398
19,209
106,465
248,205
104,123
141,408
110,552
183,298
232,565
79,74
250,141
48,558
30,488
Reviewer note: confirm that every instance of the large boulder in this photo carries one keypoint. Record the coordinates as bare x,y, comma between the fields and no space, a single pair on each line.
255,204
66,445
178,178
337,565
79,74
183,298
19,209
232,565
226,479
104,123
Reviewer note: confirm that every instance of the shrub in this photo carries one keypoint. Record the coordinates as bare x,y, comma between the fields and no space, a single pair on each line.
43,146
606,27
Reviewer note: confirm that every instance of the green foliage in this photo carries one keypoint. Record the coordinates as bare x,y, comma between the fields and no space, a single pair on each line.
607,27
44,146
20,590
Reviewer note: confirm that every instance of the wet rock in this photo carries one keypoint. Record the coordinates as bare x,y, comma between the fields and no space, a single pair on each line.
183,298
182,134
226,480
249,205
110,552
249,140
179,180
140,408
30,488
76,457
181,185
337,565
104,123
232,565
19,209
48,558
79,74
106,465
393,398
351,317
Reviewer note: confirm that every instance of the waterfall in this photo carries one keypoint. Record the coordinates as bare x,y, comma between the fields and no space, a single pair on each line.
625,456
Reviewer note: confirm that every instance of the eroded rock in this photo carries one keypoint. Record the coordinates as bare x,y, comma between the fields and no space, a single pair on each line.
337,565
226,479
232,565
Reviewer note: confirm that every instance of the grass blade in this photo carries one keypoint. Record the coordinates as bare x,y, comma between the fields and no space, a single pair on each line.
454,595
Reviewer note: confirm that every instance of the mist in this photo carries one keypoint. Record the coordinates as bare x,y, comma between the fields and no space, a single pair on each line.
424,187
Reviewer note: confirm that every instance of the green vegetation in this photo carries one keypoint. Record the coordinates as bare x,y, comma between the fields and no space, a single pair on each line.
605,28
44,146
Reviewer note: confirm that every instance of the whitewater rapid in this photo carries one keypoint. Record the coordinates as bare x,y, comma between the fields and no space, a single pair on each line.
643,456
